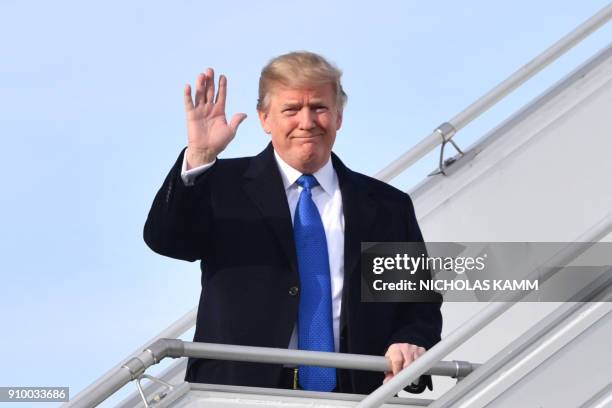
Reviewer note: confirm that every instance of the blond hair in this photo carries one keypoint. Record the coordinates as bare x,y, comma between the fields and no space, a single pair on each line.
299,69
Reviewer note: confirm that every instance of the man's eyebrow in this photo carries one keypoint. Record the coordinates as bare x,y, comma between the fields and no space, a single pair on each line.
296,104
291,104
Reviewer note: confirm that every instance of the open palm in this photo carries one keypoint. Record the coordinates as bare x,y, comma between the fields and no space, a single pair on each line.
208,131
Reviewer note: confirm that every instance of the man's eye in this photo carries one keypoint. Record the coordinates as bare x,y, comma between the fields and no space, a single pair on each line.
290,111
320,109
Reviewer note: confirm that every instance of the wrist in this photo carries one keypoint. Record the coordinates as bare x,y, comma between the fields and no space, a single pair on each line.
197,157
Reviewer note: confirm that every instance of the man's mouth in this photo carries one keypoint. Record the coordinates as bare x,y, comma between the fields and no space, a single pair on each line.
305,136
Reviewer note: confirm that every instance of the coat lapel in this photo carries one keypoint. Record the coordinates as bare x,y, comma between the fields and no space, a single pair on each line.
264,186
360,212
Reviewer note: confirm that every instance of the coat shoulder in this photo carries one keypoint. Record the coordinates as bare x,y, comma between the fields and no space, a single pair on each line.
380,189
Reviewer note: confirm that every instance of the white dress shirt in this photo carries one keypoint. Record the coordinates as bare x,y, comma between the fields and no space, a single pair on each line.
328,199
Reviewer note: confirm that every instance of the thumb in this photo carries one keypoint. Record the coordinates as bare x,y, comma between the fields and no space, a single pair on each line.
236,121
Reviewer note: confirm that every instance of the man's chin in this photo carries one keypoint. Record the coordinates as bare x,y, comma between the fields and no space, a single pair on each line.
307,157
311,164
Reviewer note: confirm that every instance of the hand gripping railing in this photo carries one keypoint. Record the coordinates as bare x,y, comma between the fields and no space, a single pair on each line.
443,133
135,367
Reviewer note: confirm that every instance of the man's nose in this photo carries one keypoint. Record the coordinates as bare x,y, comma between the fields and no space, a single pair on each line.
307,118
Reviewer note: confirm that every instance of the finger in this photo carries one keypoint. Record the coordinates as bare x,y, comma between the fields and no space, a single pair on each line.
222,91
408,357
210,85
236,121
200,96
187,98
388,376
396,358
418,352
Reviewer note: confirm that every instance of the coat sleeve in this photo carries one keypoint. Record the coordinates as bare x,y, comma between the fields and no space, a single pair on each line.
418,323
179,222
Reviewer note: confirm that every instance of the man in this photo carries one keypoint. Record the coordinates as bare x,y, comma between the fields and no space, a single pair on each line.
279,234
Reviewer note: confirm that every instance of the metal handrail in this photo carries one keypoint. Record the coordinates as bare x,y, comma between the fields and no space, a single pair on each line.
454,369
135,367
477,322
447,130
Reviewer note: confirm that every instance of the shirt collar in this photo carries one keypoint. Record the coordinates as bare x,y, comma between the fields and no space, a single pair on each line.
325,175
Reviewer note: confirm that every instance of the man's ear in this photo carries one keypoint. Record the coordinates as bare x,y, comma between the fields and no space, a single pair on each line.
339,120
263,119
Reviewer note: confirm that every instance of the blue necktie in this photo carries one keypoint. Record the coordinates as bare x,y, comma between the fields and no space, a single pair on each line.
315,329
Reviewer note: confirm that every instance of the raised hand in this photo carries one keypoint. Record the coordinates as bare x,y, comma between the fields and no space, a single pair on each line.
208,132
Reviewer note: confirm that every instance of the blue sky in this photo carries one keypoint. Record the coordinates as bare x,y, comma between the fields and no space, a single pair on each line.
91,119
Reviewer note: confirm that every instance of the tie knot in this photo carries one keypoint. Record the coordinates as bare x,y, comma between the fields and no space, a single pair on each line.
307,181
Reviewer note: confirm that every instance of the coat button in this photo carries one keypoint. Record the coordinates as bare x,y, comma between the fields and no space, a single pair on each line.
293,291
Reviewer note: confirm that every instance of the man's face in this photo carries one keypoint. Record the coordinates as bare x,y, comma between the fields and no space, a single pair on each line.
303,124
